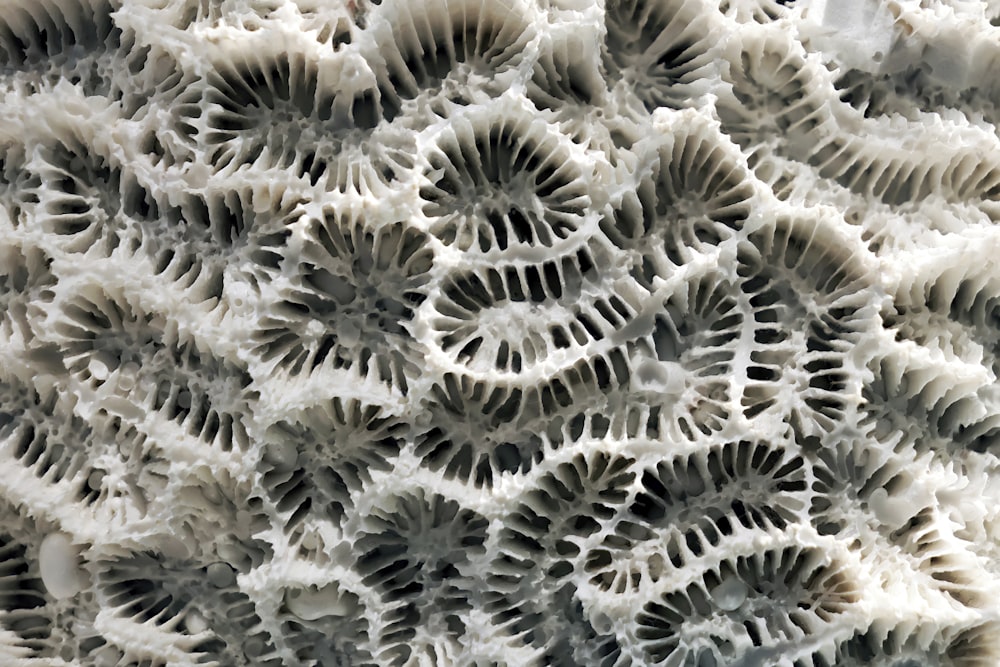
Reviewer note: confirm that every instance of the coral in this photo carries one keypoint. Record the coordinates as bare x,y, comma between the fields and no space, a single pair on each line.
499,332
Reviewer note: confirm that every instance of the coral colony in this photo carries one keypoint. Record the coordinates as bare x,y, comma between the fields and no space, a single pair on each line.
344,333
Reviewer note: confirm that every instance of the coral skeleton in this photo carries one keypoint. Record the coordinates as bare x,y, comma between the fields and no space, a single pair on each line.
598,333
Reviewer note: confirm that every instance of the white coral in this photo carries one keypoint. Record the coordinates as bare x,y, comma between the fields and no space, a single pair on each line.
524,332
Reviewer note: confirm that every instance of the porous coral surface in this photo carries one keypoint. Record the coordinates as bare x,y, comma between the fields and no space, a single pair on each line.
499,332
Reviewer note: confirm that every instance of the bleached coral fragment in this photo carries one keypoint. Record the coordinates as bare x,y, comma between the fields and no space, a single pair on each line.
482,332
730,594
59,567
311,605
861,31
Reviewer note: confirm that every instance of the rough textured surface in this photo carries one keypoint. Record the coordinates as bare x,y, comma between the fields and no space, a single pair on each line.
475,332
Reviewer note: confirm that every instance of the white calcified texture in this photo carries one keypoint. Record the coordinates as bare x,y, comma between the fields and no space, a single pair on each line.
482,332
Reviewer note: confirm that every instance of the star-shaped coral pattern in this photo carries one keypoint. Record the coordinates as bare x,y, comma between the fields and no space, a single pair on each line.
499,332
